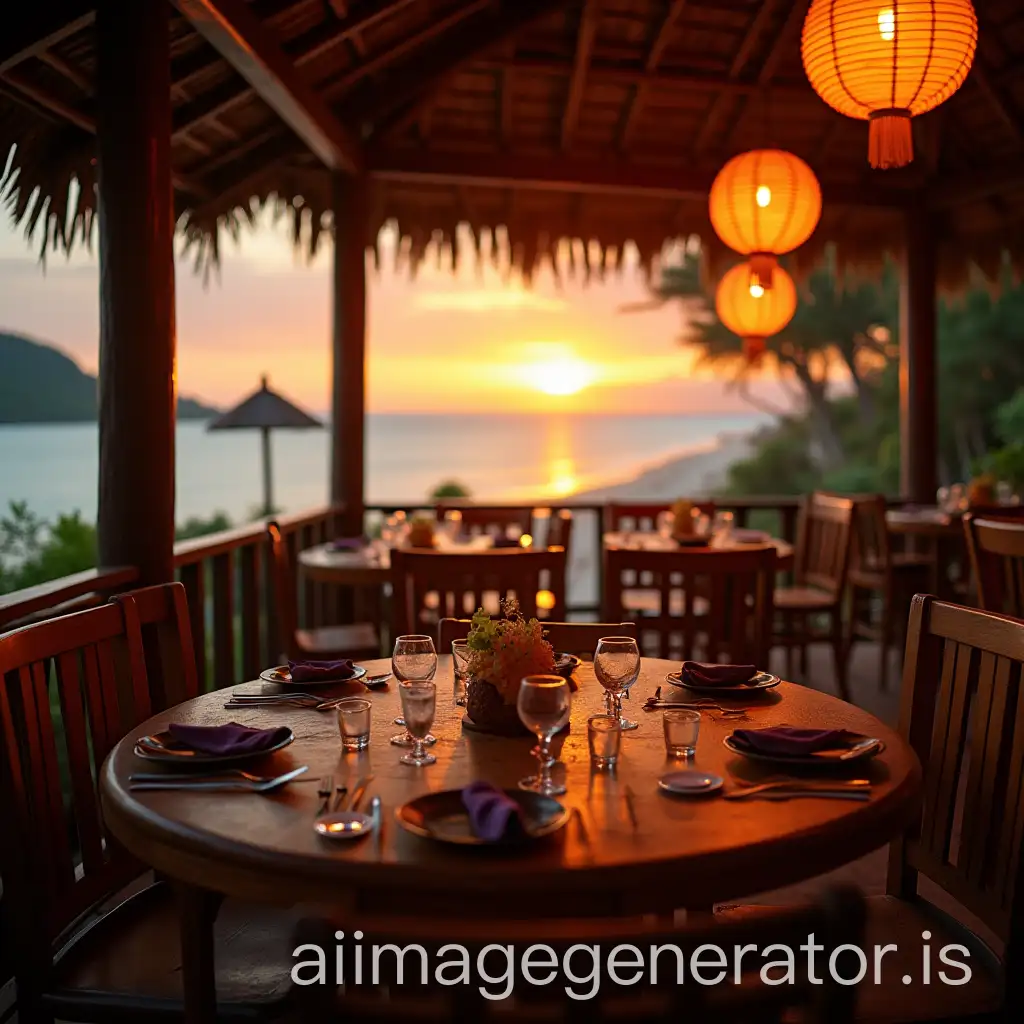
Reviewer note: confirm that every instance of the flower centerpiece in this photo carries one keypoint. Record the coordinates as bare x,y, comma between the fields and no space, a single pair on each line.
501,653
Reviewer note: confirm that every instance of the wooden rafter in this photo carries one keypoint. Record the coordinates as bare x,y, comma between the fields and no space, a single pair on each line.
85,122
68,70
355,40
506,86
975,185
242,39
739,62
394,107
559,173
305,48
578,80
610,73
654,54
999,99
36,27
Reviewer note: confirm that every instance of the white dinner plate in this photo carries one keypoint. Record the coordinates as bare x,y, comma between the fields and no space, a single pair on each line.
689,782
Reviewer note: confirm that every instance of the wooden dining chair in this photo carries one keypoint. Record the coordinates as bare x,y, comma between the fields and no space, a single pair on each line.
642,517
433,585
881,582
579,638
663,990
560,530
996,548
821,562
161,614
494,520
357,641
715,605
96,940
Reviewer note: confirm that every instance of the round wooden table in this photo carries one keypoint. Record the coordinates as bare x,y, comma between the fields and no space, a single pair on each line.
924,522
648,541
680,853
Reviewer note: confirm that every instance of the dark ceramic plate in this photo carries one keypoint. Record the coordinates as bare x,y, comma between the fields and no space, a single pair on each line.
866,747
283,677
566,664
161,748
762,681
442,817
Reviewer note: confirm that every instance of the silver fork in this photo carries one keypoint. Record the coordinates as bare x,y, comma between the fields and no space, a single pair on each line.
223,785
199,776
324,792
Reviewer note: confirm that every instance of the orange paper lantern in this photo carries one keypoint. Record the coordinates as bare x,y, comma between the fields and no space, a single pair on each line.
886,61
765,203
752,311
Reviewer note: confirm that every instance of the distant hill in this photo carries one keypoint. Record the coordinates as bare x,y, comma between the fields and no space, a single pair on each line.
40,384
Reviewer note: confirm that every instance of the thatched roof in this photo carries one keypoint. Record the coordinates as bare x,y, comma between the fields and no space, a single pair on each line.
600,120
265,409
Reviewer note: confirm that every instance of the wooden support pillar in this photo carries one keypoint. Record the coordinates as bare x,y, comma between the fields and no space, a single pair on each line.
348,427
918,360
137,329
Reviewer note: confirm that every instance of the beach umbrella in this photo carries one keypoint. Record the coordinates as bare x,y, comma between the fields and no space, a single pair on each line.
265,410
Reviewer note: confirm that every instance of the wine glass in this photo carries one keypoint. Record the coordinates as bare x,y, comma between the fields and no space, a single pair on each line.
418,702
543,707
414,660
617,665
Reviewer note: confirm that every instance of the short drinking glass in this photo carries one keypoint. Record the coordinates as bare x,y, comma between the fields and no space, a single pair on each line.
460,662
604,737
354,723
413,660
681,729
617,665
418,703
543,707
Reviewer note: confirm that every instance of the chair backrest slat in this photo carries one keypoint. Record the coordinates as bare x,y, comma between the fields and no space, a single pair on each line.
578,638
996,547
963,713
870,550
285,594
715,603
489,519
823,542
434,585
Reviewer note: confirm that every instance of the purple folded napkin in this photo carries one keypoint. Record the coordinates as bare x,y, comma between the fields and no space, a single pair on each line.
506,542
320,671
788,739
493,815
701,673
348,544
231,738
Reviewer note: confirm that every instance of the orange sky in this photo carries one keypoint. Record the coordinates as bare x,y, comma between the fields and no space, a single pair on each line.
464,343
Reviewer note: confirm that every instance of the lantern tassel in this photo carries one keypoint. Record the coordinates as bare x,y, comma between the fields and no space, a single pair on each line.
890,139
754,348
762,264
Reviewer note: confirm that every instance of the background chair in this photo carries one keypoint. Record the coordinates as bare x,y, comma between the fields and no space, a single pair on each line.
821,562
881,581
96,942
433,585
493,520
836,920
642,517
560,530
357,641
996,549
578,638
707,603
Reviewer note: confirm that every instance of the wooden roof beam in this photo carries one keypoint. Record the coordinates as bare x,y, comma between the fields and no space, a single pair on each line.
68,70
739,62
242,39
38,26
416,83
999,100
558,173
578,80
654,55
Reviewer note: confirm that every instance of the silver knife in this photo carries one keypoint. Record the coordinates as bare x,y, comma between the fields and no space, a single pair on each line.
357,793
223,785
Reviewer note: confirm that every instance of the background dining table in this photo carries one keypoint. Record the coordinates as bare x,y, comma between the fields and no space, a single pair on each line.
679,853
651,541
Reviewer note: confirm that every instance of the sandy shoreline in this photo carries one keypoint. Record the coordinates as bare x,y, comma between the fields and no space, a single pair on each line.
696,473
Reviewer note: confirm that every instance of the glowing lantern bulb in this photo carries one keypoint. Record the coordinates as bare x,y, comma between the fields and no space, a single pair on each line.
763,196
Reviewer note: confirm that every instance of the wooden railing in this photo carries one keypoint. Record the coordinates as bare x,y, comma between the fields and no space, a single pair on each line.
228,581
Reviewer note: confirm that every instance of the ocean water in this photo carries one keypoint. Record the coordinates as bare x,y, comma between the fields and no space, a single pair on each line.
502,457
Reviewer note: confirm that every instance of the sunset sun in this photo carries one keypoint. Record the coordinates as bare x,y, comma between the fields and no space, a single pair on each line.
562,376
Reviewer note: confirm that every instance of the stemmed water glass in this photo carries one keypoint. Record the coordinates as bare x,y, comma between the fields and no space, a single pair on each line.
418,703
617,665
543,706
414,660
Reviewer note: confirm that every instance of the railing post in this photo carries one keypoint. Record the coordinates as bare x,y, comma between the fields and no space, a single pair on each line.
137,330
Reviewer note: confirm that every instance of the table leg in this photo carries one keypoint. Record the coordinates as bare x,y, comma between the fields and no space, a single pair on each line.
197,910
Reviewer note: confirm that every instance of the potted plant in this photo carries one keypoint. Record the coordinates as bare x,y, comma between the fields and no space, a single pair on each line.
501,653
